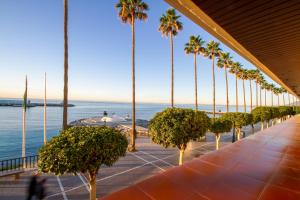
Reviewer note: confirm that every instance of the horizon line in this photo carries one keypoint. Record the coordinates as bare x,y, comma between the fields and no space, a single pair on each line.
110,101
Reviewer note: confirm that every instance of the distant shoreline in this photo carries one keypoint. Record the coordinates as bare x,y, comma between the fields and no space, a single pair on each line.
17,104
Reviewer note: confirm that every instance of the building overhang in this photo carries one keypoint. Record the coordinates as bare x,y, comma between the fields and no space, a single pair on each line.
266,33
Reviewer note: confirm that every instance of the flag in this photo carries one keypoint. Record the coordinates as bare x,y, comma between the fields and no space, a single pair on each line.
25,96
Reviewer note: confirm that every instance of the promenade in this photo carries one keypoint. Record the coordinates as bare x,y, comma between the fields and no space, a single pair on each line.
264,166
149,160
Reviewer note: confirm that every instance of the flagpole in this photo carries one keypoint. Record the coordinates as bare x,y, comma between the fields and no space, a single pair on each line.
24,133
24,124
45,110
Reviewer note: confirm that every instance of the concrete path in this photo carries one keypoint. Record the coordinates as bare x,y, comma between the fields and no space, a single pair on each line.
150,159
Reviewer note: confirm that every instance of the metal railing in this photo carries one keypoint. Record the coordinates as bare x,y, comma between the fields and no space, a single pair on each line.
18,164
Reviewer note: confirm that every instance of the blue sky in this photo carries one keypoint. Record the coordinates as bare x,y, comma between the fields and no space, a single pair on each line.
31,42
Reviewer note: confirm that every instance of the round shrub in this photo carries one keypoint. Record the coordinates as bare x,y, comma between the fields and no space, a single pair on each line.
176,127
261,114
275,112
220,125
285,111
82,149
238,119
297,109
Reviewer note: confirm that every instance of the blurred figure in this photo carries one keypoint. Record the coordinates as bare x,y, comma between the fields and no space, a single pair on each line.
41,189
32,186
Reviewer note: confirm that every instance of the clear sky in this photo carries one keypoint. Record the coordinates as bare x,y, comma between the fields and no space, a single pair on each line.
31,42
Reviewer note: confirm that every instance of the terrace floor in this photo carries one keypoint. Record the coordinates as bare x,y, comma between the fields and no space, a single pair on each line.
149,160
263,166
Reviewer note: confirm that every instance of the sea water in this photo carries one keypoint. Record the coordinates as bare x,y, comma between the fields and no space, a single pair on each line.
11,121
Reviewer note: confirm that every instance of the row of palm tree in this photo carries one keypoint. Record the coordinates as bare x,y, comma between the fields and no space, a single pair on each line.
130,11
170,26
196,47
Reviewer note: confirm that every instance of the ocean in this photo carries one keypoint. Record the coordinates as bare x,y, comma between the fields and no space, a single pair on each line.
11,121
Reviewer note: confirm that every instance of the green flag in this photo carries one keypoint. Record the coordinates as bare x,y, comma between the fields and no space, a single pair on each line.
25,96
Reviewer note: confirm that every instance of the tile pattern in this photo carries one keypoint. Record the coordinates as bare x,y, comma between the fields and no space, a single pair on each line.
264,166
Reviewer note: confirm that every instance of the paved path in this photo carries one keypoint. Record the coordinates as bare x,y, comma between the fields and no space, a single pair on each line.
264,166
150,159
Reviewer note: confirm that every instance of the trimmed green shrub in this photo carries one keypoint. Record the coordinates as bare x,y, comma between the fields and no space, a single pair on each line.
176,127
275,112
82,149
238,120
285,111
297,110
219,126
261,114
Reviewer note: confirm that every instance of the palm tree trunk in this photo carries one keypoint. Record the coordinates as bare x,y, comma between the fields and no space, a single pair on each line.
260,95
256,94
251,95
283,99
133,133
278,99
289,99
272,98
265,97
236,94
196,84
244,95
227,98
45,111
172,70
66,66
214,85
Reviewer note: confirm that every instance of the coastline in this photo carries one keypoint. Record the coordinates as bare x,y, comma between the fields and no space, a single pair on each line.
14,104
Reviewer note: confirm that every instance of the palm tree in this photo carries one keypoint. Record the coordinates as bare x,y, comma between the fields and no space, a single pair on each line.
235,68
243,75
257,75
169,27
252,76
225,60
272,89
277,92
195,46
129,11
265,87
260,80
212,50
282,92
66,67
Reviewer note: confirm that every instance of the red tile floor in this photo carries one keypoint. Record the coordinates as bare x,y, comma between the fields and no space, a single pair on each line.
264,166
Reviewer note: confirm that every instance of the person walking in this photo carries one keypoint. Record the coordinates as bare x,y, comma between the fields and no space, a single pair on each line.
32,187
41,189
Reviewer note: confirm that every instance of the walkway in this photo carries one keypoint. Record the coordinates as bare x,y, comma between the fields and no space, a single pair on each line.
264,166
150,159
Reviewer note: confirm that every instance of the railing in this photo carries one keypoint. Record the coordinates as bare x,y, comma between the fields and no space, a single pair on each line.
18,164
